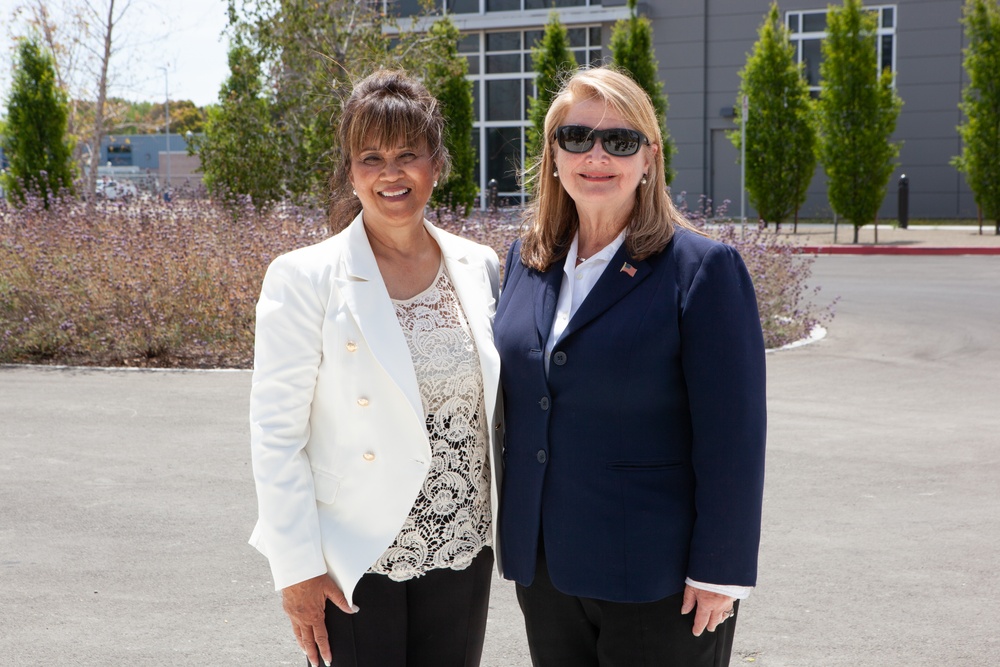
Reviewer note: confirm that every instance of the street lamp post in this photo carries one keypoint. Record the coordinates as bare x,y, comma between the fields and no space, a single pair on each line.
166,113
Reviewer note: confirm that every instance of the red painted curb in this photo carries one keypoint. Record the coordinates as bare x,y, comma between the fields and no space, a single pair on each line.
896,250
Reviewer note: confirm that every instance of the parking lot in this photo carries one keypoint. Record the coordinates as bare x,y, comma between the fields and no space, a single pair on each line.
126,498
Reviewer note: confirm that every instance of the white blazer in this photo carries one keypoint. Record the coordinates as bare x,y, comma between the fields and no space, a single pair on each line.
337,427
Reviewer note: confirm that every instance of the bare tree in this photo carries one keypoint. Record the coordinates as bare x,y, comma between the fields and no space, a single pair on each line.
107,18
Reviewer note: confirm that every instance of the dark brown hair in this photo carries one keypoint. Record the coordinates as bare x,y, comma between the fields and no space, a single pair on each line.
387,108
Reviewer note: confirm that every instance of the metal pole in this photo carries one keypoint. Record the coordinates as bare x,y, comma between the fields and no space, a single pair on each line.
743,166
166,113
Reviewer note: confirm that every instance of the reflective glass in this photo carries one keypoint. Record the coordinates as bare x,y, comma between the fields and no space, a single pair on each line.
469,44
814,22
503,99
508,62
811,58
405,7
886,52
462,6
503,41
503,159
502,5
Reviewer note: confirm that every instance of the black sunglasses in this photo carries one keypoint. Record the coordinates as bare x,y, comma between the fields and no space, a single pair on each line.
616,141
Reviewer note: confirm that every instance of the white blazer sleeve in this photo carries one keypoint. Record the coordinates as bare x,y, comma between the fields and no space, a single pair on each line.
287,355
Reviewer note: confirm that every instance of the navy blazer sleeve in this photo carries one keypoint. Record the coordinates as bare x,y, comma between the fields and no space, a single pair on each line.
722,356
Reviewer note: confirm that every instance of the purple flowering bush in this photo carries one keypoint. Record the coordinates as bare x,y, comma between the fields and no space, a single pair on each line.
139,283
780,273
174,284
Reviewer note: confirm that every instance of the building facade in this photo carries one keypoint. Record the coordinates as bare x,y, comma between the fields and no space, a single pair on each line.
150,159
701,45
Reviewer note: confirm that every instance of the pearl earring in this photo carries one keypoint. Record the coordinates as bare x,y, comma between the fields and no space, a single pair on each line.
435,184
555,173
643,181
354,192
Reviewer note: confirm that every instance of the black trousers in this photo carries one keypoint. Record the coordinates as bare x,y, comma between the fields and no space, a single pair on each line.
437,620
568,631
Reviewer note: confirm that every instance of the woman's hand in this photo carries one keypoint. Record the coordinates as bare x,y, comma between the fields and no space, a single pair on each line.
712,608
305,604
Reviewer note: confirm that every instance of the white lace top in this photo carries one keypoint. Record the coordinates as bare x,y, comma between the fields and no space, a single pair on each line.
450,520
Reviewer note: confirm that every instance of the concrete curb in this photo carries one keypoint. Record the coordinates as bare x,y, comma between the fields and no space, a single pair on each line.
897,250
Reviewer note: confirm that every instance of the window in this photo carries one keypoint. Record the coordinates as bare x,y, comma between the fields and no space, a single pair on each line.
808,29
500,69
120,155
413,7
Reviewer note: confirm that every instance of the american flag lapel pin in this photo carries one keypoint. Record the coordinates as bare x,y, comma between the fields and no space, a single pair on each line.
629,269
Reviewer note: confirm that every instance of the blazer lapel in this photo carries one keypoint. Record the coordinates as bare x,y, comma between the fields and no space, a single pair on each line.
622,275
364,292
546,298
476,296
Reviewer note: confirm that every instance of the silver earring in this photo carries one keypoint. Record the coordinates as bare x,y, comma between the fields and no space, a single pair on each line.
643,181
354,192
555,173
435,184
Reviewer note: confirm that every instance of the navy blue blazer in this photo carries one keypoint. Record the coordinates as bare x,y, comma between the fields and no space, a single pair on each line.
639,459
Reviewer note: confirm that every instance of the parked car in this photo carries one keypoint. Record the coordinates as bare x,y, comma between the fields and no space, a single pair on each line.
109,189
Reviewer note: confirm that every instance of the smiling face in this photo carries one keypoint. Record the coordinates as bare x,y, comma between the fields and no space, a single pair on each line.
393,185
600,184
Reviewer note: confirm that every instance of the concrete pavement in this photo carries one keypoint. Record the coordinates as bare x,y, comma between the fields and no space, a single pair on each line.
825,239
126,498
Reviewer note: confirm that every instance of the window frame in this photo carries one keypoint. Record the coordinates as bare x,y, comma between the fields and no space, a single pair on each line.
886,14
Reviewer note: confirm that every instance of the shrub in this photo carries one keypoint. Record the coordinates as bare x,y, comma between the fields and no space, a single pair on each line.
141,283
174,284
780,275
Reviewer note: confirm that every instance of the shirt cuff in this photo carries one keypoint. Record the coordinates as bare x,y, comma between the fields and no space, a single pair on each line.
738,592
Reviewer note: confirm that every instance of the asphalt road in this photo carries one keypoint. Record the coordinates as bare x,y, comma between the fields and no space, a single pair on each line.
126,498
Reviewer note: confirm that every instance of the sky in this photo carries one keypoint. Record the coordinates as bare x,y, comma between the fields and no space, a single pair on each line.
183,35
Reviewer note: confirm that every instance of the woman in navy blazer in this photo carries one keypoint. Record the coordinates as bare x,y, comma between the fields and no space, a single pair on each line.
632,366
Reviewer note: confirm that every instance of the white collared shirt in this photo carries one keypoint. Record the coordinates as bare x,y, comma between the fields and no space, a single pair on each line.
577,282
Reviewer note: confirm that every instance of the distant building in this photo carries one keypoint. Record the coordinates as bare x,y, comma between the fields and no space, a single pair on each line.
144,157
701,46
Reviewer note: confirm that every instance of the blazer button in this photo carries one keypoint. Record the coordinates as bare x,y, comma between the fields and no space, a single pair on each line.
559,358
352,346
544,403
541,456
369,456
363,402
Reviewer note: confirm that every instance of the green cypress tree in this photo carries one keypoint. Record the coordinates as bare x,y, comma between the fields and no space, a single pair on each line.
632,50
239,151
551,60
781,128
858,109
980,131
444,77
36,141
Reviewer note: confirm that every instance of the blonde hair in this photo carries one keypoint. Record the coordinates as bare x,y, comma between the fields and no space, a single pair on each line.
387,108
551,219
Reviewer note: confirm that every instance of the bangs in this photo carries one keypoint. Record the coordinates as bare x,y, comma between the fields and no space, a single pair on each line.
388,122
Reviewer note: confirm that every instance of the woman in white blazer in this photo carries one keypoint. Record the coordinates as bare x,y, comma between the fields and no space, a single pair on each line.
374,395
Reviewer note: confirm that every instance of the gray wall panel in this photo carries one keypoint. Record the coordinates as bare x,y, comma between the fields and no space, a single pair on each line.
701,78
929,70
